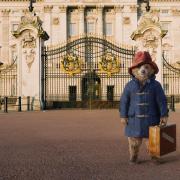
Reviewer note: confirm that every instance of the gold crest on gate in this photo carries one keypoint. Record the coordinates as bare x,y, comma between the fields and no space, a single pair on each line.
109,64
71,64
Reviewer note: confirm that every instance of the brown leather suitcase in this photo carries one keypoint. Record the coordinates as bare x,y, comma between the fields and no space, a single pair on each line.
162,140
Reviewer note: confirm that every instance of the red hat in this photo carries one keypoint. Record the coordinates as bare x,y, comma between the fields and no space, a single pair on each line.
140,58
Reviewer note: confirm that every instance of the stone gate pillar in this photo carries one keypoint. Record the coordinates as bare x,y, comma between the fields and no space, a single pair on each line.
148,37
30,38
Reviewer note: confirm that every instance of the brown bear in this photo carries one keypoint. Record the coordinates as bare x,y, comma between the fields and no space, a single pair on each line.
142,104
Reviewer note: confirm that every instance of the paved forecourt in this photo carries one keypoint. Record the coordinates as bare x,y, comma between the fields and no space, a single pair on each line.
75,145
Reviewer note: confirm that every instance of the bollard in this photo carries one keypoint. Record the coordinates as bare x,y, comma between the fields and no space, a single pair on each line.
5,104
28,103
19,104
172,103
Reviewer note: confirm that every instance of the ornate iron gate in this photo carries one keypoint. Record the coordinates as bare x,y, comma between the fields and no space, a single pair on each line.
8,80
171,80
88,72
8,83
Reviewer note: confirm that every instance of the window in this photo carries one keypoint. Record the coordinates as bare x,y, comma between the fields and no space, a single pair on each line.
165,11
89,11
72,93
72,29
108,29
110,93
90,27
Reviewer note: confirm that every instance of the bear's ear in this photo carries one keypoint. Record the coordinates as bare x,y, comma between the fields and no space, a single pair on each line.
152,71
135,72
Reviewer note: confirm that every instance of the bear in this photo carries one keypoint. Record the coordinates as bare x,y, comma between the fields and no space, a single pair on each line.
142,104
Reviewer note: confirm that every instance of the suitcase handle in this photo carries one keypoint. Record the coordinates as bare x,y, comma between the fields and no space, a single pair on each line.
162,125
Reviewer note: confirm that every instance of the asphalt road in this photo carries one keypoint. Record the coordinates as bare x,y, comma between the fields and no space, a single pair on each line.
76,145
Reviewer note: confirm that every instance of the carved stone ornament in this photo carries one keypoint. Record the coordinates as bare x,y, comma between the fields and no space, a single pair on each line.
133,8
29,57
48,8
71,64
5,12
62,9
81,8
118,8
126,20
109,64
150,43
148,20
29,41
30,21
149,33
56,21
175,12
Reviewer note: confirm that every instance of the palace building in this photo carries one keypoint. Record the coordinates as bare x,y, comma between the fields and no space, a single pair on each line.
85,60
65,19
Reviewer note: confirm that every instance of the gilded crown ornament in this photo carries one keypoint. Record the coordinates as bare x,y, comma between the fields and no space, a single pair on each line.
71,64
109,64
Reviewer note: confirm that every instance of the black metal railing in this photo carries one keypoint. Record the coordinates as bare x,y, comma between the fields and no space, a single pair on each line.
8,79
171,78
171,102
18,104
171,82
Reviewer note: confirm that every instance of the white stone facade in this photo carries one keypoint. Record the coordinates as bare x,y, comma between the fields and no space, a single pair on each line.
169,12
64,19
61,16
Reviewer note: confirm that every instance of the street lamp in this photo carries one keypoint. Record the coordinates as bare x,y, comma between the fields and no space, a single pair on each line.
147,5
31,5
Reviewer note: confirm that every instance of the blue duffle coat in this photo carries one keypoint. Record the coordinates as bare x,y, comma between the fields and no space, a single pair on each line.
143,106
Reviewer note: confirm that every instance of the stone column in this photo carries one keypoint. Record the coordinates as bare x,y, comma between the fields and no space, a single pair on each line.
5,36
148,37
63,23
100,20
118,24
48,21
159,61
81,20
30,38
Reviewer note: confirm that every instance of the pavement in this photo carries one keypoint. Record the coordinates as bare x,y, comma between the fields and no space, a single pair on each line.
76,145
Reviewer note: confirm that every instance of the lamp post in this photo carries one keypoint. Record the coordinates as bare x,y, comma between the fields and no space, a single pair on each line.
31,5
147,6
